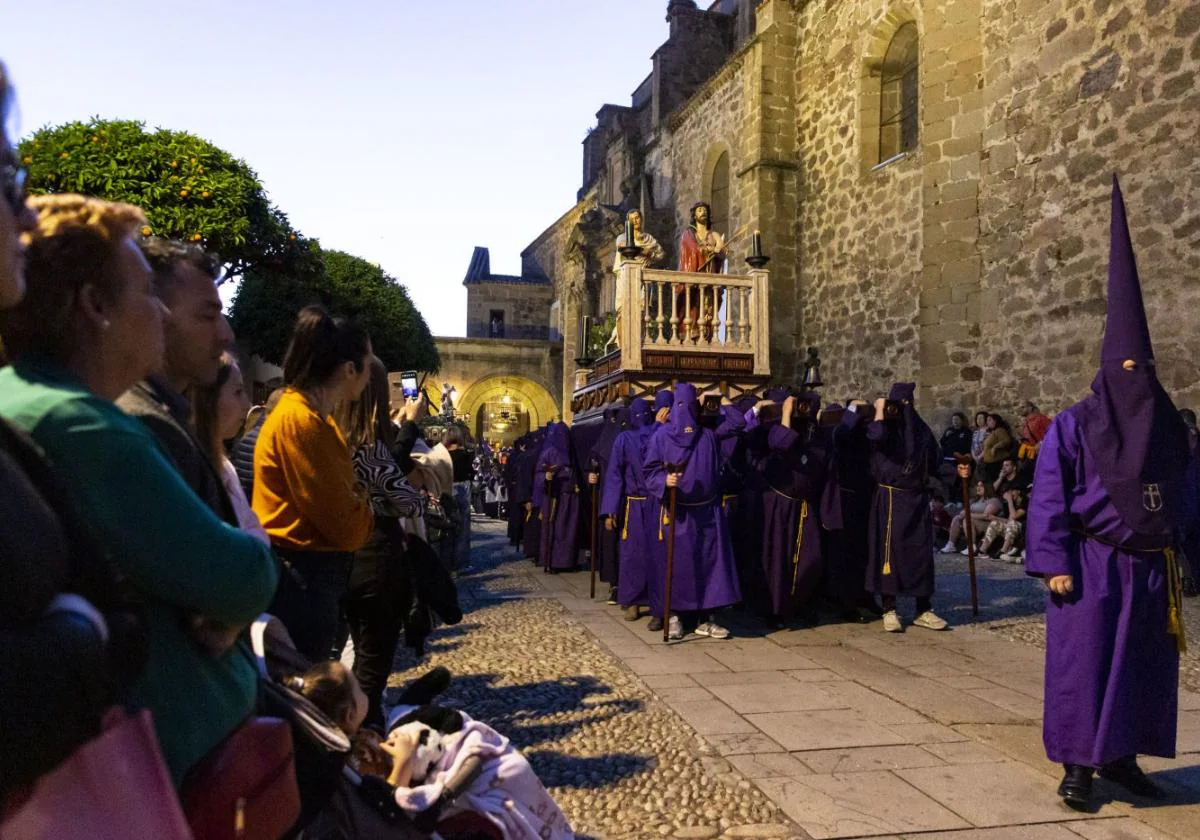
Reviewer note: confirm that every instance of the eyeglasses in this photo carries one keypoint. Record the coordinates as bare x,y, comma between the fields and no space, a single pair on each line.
13,187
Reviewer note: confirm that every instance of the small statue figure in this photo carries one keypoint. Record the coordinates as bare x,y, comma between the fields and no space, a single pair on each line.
652,254
447,400
812,370
701,250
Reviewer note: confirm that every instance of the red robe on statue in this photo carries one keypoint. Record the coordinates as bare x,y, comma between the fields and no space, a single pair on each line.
691,257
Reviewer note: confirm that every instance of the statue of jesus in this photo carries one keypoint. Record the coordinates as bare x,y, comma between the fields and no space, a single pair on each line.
701,250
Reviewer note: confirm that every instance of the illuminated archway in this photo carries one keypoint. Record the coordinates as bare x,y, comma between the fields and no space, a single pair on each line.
528,405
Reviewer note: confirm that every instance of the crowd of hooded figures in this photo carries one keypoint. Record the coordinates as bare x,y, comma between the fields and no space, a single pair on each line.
780,504
785,505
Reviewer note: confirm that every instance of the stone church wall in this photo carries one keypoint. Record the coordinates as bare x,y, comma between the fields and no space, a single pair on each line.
1078,90
860,231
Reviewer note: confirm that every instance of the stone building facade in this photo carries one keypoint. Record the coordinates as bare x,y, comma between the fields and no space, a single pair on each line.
506,306
930,177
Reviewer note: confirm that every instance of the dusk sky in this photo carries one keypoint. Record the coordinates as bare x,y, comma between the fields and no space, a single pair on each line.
403,132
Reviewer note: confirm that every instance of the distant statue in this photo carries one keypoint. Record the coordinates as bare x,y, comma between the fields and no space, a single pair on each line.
447,400
701,250
496,326
652,254
812,370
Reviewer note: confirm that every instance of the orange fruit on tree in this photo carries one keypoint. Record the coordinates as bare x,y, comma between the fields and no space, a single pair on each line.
146,231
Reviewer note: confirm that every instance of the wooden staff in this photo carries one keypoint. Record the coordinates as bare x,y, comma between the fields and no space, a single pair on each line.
595,514
671,470
964,471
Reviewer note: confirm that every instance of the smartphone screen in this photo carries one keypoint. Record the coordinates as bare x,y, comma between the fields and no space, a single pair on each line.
408,384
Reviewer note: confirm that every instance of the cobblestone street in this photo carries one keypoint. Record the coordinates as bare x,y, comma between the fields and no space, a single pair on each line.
837,731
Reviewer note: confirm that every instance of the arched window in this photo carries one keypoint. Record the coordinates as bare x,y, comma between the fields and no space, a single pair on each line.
899,94
719,193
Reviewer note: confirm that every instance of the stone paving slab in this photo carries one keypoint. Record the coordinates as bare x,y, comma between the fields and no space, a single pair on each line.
989,795
853,733
858,805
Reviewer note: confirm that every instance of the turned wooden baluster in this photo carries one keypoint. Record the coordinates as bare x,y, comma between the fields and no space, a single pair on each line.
660,321
646,330
743,327
676,338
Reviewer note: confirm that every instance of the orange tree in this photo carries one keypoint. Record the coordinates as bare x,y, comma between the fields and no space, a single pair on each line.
188,188
268,299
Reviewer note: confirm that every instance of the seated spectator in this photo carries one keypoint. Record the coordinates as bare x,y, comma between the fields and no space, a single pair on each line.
89,328
997,447
983,505
1034,426
305,491
1011,526
979,436
219,410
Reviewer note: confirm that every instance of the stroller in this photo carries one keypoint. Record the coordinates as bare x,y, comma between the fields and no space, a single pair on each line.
336,802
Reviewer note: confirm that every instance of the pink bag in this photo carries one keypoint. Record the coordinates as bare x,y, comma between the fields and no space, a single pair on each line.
114,787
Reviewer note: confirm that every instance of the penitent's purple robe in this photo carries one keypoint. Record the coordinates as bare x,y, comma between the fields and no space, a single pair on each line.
705,575
846,513
529,491
560,503
794,478
900,557
1112,669
628,502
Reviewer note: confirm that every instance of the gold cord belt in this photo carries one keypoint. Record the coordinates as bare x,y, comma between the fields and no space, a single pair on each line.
1175,625
799,545
625,525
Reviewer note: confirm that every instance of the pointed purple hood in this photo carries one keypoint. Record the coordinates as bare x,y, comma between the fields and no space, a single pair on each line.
1132,429
682,431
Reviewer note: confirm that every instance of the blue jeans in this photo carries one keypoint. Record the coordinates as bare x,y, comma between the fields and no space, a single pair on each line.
309,598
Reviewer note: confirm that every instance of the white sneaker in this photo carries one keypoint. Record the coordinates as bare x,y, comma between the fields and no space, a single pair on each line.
674,629
966,552
712,630
948,548
931,621
891,622
1012,552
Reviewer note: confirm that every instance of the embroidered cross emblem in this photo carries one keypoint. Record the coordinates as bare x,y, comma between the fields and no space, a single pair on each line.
1152,499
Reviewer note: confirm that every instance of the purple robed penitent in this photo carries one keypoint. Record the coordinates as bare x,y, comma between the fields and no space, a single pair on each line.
528,491
904,454
705,575
616,420
1106,491
794,478
560,499
846,511
627,502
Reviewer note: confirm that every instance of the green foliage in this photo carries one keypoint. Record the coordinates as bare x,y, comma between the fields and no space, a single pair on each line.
599,334
268,300
399,334
189,189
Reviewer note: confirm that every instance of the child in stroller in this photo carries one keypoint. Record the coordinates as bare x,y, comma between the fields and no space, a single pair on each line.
438,774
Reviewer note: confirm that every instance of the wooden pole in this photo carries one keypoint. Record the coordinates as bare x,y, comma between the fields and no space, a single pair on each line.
595,541
969,527
670,572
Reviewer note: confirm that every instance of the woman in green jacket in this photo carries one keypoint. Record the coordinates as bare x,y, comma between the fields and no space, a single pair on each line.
89,327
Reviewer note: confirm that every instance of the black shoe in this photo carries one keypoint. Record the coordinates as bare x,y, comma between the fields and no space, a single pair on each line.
421,691
853,617
1128,775
1076,787
655,625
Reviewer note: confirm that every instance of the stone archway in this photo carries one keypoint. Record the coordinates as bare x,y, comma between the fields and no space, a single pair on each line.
504,406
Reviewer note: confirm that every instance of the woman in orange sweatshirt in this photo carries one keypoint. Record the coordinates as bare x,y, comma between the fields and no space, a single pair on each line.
305,492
